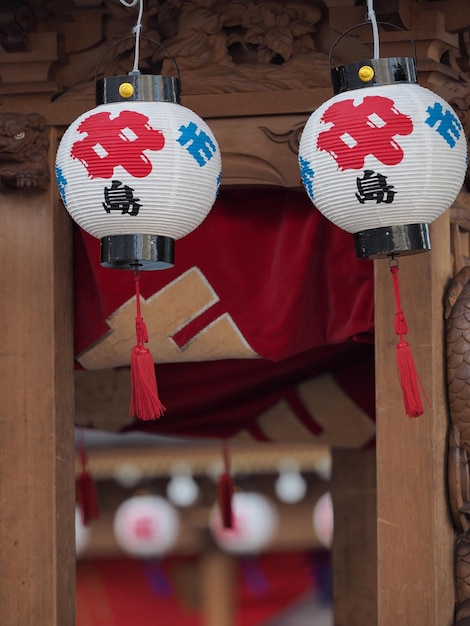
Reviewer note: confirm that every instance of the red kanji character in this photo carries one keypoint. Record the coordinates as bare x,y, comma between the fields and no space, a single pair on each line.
118,141
144,528
358,131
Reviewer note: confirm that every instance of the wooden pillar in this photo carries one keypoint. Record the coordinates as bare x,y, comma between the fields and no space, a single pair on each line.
355,538
37,488
415,539
218,588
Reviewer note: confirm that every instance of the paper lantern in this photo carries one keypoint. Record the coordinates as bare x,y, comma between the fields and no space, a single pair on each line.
254,523
290,485
182,490
146,526
323,520
139,171
384,157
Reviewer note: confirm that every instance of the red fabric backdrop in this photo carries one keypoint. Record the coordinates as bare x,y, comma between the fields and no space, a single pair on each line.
290,281
287,276
125,592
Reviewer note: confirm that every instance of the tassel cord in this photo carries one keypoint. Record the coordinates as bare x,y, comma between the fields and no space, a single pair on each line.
140,326
408,376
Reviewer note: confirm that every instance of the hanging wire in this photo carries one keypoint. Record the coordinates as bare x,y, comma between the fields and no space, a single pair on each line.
136,30
371,17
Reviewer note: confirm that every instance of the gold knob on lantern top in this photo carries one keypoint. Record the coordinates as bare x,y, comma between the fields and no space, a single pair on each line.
126,90
366,73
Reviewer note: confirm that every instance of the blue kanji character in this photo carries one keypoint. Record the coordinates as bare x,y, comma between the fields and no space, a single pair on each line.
198,143
448,125
307,174
61,182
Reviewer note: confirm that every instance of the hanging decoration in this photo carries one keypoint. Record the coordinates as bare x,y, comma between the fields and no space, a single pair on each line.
146,526
290,485
139,172
225,490
182,490
87,499
254,524
383,159
323,520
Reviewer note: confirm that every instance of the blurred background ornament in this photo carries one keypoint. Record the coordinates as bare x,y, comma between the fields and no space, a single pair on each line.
182,490
290,485
255,523
323,520
146,526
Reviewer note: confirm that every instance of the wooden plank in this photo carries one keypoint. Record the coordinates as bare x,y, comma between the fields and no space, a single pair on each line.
218,585
415,572
355,538
37,487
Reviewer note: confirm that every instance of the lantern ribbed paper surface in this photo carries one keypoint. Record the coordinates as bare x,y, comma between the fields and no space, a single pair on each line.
255,522
383,156
138,167
146,526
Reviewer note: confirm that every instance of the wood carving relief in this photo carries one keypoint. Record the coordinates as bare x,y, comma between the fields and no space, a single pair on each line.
218,47
24,148
17,21
457,315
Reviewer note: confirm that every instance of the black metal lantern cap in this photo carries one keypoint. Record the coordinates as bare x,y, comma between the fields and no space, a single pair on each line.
137,252
137,87
406,239
372,73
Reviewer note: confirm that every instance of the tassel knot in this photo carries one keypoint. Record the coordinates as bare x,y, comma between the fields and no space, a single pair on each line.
225,491
401,326
141,330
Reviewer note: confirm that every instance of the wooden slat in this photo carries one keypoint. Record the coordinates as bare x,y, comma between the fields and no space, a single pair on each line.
355,538
415,573
218,584
37,551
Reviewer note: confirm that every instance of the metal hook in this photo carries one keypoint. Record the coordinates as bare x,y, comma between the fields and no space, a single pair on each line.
160,45
368,23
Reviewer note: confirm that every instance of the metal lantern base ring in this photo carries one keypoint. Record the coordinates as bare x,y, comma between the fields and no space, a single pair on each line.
142,252
376,243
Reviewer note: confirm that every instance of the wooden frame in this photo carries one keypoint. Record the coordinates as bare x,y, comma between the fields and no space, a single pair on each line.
414,538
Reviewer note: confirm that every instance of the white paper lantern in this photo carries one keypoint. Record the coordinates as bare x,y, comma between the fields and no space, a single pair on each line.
182,490
290,485
139,171
323,520
255,522
384,157
146,526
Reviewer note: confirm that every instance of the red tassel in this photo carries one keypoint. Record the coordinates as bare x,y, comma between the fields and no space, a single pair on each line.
145,403
225,491
86,489
408,375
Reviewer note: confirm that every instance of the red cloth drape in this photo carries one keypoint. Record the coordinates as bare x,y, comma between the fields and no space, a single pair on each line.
287,276
126,592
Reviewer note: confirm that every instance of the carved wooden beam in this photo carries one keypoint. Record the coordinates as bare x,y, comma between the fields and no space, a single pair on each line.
24,145
17,20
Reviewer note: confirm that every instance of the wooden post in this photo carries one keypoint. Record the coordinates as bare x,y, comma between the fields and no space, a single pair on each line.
37,488
415,538
218,588
355,538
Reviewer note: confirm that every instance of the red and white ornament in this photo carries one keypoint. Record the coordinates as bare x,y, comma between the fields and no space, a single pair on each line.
146,526
254,524
384,153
